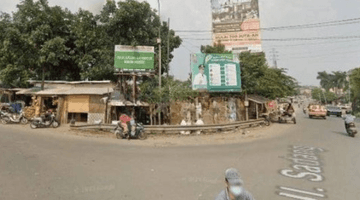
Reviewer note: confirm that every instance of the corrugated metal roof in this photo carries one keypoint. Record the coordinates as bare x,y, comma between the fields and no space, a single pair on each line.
75,91
56,91
65,91
99,91
258,99
29,91
70,82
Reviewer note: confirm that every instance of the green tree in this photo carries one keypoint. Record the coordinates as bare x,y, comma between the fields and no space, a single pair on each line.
74,46
275,83
134,23
253,67
339,80
335,80
355,89
258,78
323,96
172,90
326,80
217,48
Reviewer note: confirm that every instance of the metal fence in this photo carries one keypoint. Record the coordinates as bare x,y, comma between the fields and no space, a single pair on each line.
178,128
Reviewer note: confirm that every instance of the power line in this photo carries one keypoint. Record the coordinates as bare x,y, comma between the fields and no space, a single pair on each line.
198,47
310,51
293,39
323,55
186,48
317,43
312,38
301,26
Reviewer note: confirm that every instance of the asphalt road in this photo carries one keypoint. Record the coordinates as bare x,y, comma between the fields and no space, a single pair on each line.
41,166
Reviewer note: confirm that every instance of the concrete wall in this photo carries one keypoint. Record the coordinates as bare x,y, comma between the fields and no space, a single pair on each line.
181,109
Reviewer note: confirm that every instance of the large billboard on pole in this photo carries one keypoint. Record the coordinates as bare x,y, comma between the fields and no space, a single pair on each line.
215,72
138,57
236,24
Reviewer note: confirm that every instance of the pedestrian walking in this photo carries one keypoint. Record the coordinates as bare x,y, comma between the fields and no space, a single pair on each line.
234,187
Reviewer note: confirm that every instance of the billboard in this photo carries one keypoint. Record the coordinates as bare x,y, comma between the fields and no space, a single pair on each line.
215,72
138,57
236,24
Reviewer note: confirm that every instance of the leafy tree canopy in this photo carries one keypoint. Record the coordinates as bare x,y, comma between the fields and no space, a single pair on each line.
335,79
75,46
324,97
258,78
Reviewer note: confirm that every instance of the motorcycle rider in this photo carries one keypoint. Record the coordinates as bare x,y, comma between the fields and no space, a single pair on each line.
349,118
289,110
234,187
46,117
124,120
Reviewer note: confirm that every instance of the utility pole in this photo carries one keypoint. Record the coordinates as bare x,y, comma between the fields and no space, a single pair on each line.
324,96
349,89
43,78
159,42
274,58
168,48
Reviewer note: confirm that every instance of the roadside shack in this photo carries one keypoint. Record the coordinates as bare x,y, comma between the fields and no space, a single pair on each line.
78,100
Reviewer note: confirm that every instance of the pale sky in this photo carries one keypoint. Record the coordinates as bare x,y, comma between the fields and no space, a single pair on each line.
303,59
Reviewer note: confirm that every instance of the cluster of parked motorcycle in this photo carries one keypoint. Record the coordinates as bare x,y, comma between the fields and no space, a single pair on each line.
10,117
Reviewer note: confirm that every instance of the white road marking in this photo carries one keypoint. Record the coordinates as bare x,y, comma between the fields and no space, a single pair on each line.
295,196
301,191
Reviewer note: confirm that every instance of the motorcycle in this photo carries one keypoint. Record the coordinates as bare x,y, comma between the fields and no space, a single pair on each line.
7,117
138,134
284,118
267,120
42,122
351,129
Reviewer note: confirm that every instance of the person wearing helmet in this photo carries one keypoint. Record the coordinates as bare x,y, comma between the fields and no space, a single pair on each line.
349,118
234,187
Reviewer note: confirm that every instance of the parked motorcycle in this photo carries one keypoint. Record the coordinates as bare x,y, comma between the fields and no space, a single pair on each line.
351,129
2,113
44,122
138,134
7,117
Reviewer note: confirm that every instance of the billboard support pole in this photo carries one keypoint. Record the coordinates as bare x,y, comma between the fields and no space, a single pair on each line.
168,48
159,41
134,88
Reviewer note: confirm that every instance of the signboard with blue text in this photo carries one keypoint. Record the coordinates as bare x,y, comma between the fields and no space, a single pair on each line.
215,72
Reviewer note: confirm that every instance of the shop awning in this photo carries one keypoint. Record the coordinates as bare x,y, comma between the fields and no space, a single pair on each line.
258,99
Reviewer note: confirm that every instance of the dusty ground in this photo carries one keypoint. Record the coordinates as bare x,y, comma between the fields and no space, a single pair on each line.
162,140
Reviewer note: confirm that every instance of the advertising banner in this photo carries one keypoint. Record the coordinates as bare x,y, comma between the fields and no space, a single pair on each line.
236,24
215,72
129,57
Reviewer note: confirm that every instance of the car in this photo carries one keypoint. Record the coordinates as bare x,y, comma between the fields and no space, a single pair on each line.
317,110
334,110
